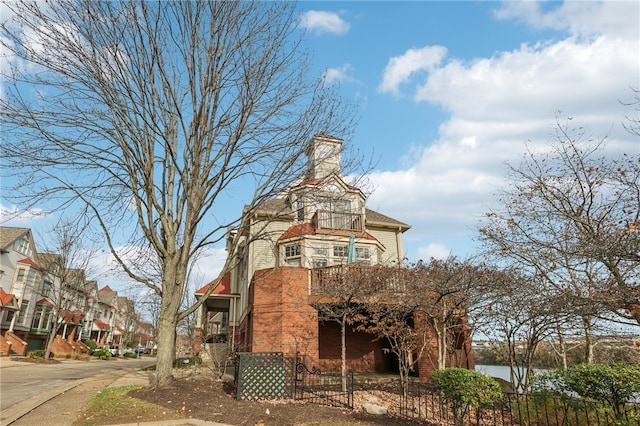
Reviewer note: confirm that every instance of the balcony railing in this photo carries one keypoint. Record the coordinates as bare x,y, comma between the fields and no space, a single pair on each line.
323,219
331,279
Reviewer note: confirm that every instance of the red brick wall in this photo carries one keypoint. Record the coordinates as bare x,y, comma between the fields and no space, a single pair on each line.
462,357
364,353
282,319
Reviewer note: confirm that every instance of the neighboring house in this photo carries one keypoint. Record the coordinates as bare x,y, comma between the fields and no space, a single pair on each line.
19,278
104,321
60,309
263,304
36,290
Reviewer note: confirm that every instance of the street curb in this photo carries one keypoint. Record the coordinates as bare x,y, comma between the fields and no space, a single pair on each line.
16,411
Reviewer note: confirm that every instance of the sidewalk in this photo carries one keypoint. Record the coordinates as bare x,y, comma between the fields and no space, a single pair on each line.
61,406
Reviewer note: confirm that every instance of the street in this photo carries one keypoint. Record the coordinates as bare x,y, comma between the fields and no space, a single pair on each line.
20,381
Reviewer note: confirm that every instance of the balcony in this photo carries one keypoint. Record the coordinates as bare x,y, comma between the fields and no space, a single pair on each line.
323,219
365,279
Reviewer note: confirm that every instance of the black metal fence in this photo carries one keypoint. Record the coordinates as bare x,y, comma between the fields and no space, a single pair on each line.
547,409
271,375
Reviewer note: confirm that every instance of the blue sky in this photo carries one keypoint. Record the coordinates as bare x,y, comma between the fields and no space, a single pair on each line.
450,91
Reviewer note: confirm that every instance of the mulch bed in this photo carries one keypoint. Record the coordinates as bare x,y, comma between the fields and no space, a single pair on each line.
213,400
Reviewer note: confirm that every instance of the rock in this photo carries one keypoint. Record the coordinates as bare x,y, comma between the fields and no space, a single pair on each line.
377,410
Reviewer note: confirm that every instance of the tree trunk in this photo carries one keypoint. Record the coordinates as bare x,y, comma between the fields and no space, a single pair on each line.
563,349
588,340
172,289
343,333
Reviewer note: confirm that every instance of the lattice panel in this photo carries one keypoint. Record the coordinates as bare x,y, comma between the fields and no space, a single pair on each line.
267,375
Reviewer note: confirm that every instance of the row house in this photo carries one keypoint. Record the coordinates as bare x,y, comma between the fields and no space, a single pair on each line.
266,303
41,299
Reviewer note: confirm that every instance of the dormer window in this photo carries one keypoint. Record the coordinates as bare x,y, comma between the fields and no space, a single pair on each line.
22,246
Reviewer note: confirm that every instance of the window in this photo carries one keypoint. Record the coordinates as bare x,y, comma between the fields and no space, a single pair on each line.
292,254
320,249
320,262
362,253
20,276
41,317
340,251
47,286
292,250
24,307
300,207
334,205
22,246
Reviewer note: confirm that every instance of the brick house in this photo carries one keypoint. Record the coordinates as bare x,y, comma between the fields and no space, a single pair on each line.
266,302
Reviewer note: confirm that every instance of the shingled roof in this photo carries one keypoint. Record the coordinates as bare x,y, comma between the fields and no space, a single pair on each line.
9,234
279,207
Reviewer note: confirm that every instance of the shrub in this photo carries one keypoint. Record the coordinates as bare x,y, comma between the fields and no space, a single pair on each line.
39,353
613,385
91,344
130,355
102,353
464,389
186,361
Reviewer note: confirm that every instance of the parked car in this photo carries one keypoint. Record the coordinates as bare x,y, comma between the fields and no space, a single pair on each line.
140,350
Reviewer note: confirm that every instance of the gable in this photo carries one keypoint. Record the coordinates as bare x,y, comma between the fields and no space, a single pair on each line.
8,300
16,239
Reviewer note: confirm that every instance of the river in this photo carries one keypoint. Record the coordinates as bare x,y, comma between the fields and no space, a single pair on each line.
499,371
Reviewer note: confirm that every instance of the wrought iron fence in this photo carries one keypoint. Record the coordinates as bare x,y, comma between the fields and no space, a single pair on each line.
324,388
422,402
271,375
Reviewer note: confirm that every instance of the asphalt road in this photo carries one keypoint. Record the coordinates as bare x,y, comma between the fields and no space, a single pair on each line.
23,380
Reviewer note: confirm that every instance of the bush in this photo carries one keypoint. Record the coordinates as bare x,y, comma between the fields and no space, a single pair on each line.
464,389
130,355
102,353
186,361
39,353
613,385
91,344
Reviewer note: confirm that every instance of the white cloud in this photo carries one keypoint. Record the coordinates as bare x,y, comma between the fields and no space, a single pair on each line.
334,75
13,216
436,251
498,104
323,22
401,68
580,18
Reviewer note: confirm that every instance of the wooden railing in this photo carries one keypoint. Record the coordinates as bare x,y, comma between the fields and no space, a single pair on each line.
374,278
323,219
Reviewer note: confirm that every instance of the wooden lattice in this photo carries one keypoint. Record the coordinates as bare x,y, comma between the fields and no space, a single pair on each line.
266,375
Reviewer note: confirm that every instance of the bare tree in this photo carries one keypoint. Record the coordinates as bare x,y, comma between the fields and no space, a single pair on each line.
393,315
148,115
449,290
520,316
570,216
66,262
340,297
